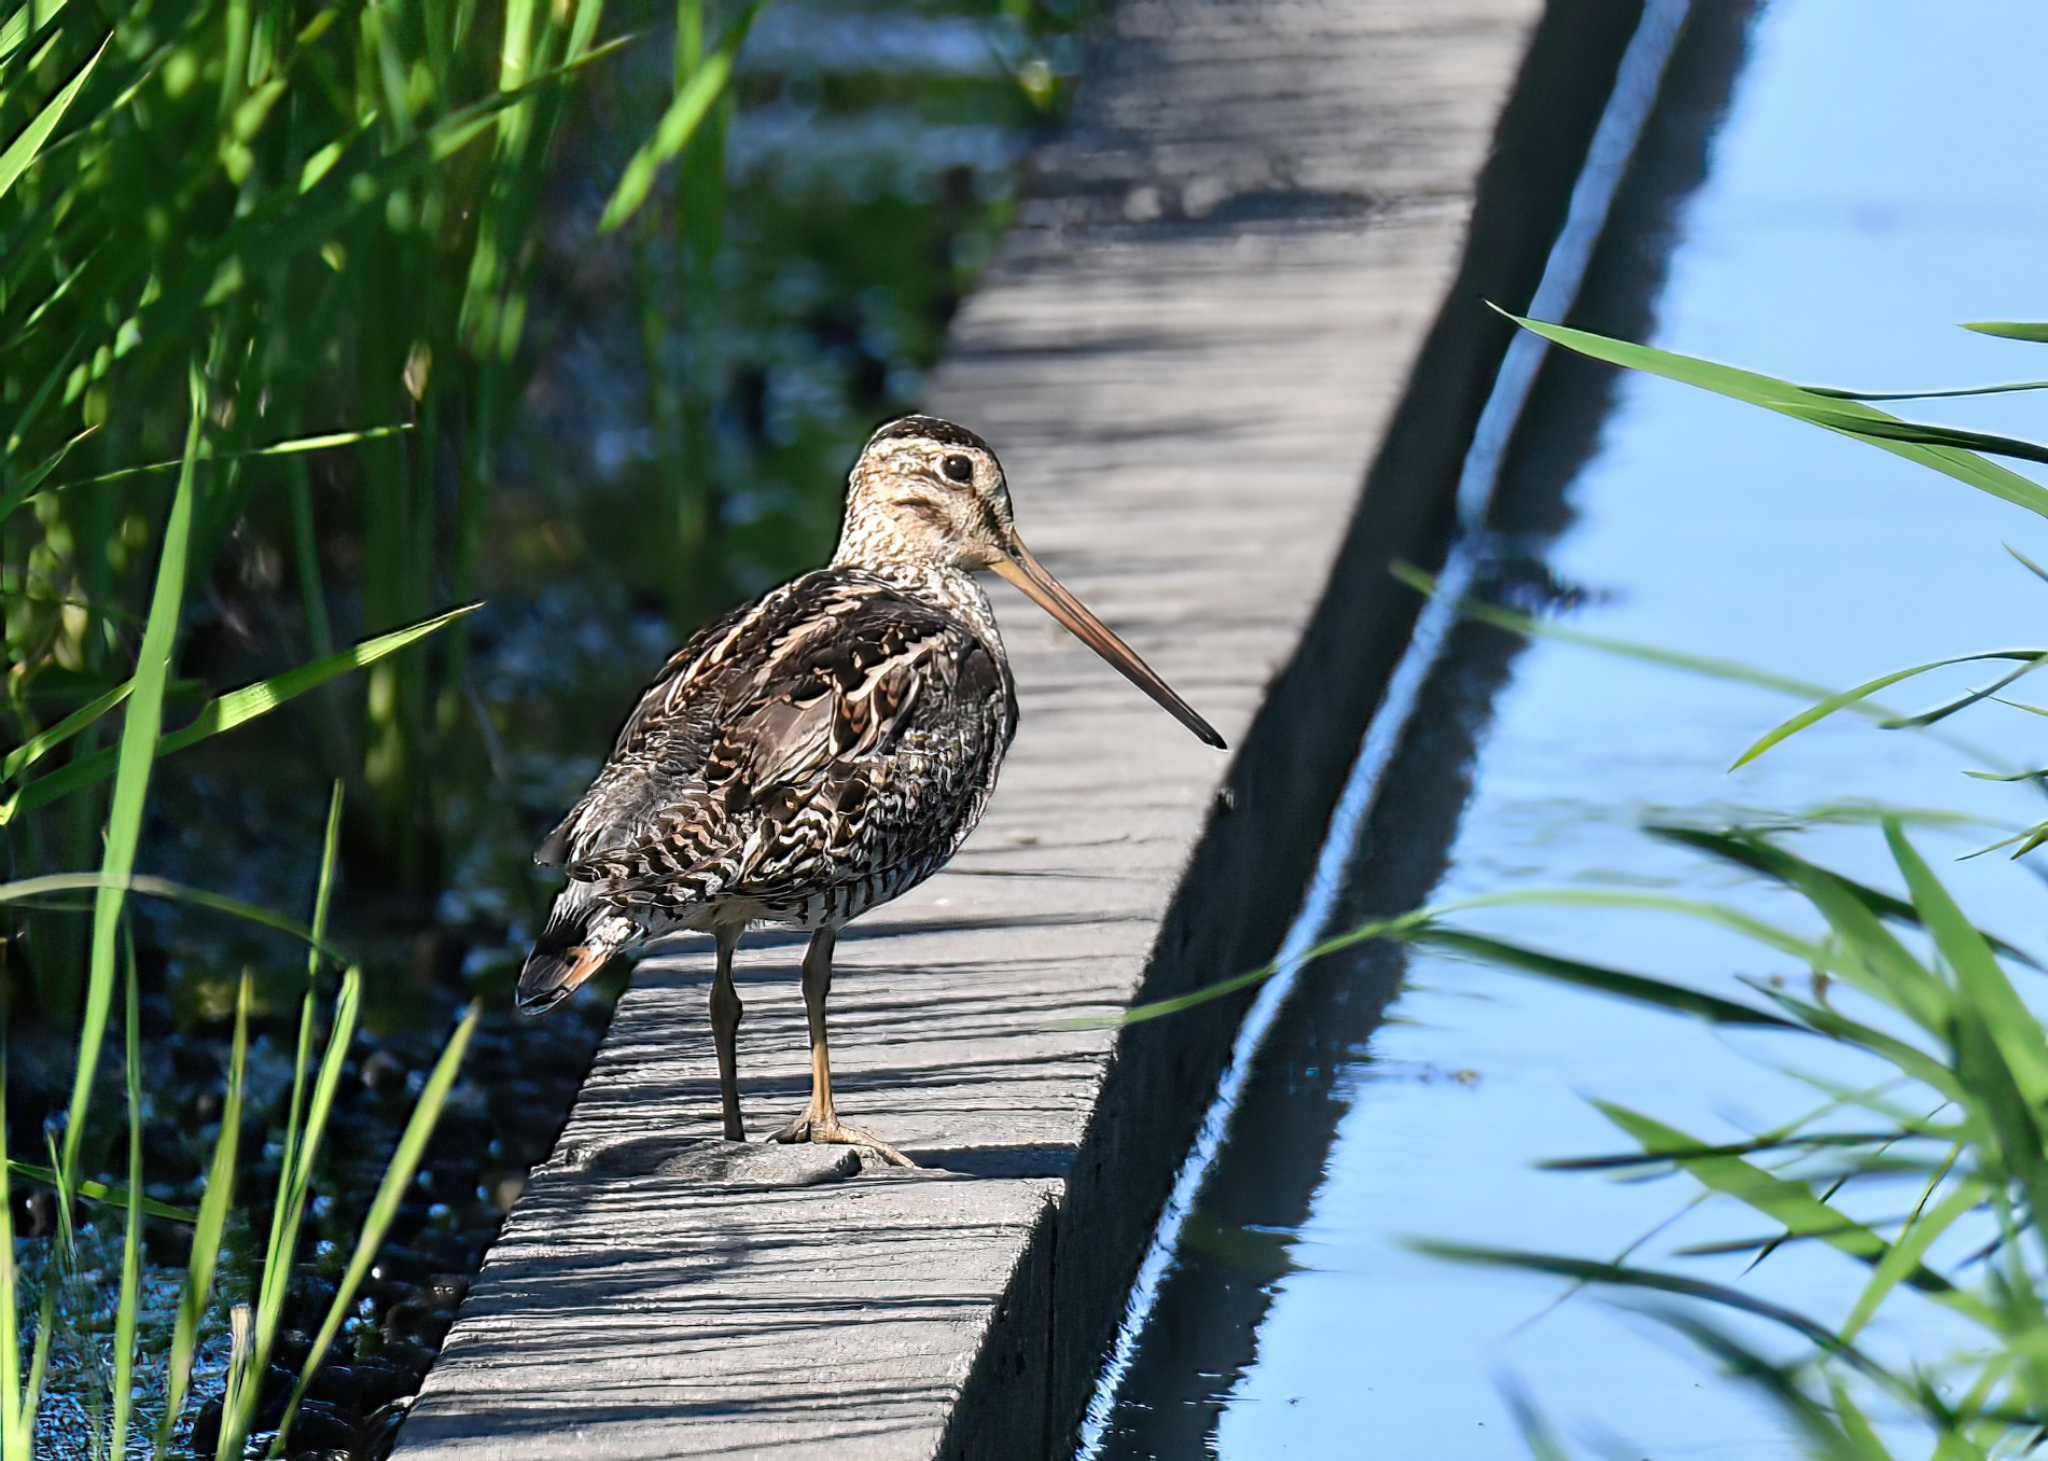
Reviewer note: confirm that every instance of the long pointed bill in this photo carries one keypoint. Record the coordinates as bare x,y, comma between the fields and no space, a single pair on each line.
1024,570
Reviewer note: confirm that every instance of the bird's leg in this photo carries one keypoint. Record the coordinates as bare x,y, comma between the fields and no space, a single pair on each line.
725,1026
820,1121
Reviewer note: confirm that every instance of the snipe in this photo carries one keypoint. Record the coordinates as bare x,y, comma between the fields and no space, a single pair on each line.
819,751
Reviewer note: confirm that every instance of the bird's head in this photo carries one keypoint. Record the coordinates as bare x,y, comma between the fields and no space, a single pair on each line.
928,493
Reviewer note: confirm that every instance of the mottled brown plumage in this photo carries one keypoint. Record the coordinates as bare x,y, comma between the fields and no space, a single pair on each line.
819,751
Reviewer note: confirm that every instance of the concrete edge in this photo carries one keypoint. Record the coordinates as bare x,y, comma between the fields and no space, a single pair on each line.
1243,886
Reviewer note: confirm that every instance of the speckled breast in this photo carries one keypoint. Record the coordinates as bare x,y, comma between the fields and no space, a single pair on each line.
952,793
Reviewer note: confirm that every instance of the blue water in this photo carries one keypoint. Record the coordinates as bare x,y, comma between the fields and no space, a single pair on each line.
1820,195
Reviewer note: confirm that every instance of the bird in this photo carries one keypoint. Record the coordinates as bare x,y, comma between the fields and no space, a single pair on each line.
817,752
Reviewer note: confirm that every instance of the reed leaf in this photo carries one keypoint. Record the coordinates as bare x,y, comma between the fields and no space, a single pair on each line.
691,105
214,1206
1926,434
130,1301
1961,702
1788,399
1752,850
1910,1060
1911,1249
101,1192
1774,1142
1734,672
405,1161
301,1145
29,890
1618,1275
2011,330
1838,394
14,1438
17,156
226,712
1657,993
1538,1438
42,743
131,764
1421,926
1856,1428
296,446
1822,709
17,28
1825,1436
1784,1201
16,493
1981,983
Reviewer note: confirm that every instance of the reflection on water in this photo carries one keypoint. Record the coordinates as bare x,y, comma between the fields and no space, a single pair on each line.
1821,198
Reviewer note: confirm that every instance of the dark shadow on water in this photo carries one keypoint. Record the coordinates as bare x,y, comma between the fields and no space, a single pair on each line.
1204,1331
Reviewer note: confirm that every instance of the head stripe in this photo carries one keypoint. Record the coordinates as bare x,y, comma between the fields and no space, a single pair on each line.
929,428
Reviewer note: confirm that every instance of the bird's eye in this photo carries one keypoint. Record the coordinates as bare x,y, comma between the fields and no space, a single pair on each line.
959,468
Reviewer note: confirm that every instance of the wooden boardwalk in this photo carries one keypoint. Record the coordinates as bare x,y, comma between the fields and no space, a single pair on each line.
1223,312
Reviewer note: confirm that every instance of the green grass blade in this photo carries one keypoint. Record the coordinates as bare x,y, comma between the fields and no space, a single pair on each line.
1926,434
2014,1142
1413,925
2027,563
1909,1252
296,446
42,743
236,708
1823,1434
1962,702
1734,672
1790,400
15,31
131,764
2011,330
18,154
276,1282
1539,1439
1838,394
1759,854
1981,982
12,1441
29,890
1657,993
1910,1059
214,1206
405,1161
301,1146
102,1192
21,491
130,1303
1787,1202
1770,1142
1826,707
2028,839
1622,1276
691,105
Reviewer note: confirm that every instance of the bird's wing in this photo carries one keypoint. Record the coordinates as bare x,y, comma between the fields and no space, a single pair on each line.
661,745
805,747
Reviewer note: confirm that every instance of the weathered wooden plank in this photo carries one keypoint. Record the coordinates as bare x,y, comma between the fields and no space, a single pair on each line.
1223,306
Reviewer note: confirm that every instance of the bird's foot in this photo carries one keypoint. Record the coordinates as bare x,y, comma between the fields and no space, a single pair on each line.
830,1131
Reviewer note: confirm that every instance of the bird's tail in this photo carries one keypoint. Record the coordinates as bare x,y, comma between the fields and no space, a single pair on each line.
576,943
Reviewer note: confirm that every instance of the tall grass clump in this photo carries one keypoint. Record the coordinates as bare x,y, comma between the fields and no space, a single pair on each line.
332,208
263,284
